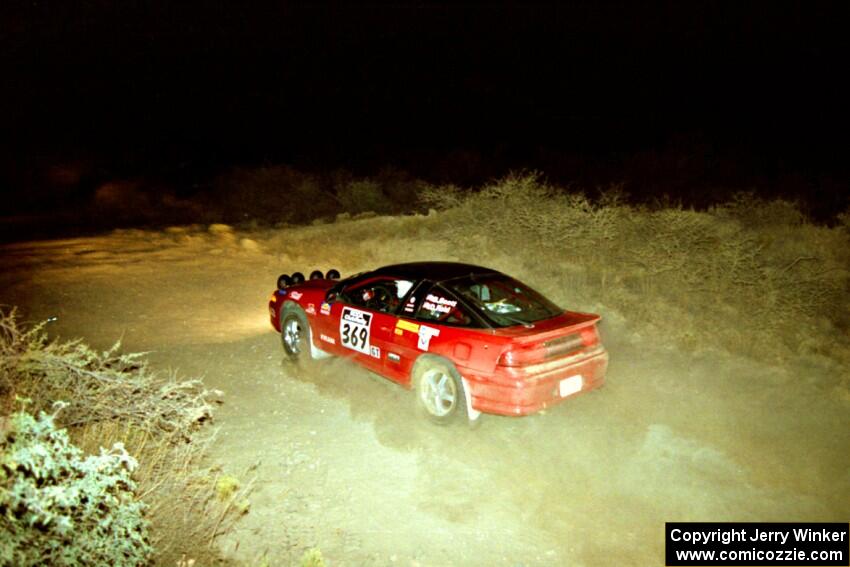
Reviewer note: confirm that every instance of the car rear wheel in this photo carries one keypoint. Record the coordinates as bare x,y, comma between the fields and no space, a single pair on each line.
439,392
295,334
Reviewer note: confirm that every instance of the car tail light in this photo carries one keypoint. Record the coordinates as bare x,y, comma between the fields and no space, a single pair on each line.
523,356
554,348
589,336
273,298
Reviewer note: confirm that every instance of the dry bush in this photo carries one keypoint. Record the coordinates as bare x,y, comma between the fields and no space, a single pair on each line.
282,195
756,212
391,191
97,386
275,194
523,209
749,265
354,245
401,188
113,397
441,197
363,196
185,509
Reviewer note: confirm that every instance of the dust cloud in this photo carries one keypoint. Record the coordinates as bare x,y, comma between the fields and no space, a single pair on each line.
341,462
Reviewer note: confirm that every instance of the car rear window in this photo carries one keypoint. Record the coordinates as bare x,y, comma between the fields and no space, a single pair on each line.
503,300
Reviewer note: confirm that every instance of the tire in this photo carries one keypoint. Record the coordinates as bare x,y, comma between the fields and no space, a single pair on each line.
295,334
439,391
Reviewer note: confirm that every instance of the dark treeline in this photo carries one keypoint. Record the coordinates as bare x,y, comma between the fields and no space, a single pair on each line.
690,170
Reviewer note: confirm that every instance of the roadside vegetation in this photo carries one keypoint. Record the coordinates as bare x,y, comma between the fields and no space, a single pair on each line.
747,275
99,449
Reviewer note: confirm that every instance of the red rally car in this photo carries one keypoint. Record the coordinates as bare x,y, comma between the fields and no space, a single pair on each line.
467,339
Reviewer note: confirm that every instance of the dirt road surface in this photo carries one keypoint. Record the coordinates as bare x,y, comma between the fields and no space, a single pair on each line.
342,464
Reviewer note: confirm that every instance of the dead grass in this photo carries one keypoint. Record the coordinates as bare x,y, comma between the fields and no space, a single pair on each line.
97,386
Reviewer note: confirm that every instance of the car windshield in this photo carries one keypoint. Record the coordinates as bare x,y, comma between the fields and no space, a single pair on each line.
503,300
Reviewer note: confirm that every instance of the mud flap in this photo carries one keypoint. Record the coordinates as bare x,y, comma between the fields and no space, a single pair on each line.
316,353
473,414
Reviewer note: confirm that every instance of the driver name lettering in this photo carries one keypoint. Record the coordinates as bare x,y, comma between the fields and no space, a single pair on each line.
438,304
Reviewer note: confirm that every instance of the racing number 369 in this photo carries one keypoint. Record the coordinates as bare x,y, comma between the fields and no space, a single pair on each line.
354,329
354,337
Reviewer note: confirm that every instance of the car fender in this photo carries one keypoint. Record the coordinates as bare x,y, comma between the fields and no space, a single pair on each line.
289,306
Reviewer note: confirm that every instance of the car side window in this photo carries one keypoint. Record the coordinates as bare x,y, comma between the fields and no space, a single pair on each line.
442,307
383,294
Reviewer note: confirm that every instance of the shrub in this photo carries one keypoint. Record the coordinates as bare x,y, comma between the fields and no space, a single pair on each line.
116,398
441,197
103,386
59,508
401,188
755,211
755,266
363,196
276,193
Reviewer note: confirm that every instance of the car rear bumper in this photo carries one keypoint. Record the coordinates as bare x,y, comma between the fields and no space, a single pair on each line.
517,391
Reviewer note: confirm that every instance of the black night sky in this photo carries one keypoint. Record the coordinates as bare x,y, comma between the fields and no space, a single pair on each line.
181,90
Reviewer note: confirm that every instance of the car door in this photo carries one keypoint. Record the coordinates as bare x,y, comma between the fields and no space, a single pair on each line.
433,323
362,319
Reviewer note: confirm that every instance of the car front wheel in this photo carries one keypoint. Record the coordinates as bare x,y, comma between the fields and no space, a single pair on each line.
295,334
439,392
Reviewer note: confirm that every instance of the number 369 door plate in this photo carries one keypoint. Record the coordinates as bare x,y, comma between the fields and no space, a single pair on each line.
354,329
